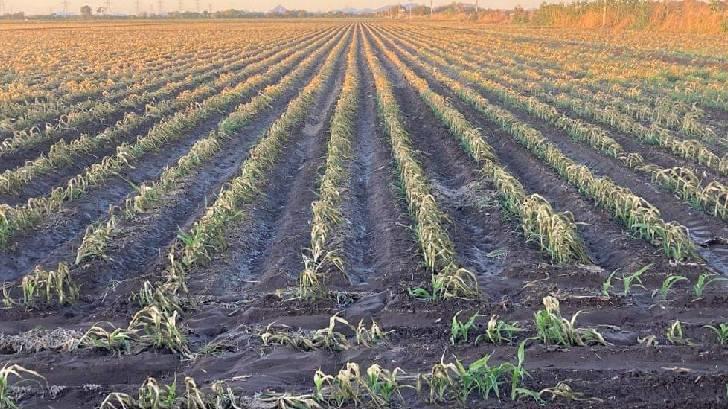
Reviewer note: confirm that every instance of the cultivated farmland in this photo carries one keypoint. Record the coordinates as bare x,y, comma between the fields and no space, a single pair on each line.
337,213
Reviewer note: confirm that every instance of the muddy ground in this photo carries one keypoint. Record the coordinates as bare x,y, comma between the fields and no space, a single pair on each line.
247,286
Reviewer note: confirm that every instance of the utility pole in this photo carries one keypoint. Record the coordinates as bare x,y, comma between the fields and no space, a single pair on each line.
181,6
65,7
160,7
108,7
431,9
138,10
477,9
197,8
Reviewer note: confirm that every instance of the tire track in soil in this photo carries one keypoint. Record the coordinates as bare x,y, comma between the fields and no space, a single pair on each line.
608,245
476,224
380,250
68,226
43,184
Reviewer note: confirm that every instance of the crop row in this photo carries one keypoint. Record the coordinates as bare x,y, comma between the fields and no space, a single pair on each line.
160,309
448,278
612,75
713,197
64,153
20,218
18,117
640,216
152,194
31,137
325,251
554,232
683,181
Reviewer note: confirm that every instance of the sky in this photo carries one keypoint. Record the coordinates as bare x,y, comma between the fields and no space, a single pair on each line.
129,6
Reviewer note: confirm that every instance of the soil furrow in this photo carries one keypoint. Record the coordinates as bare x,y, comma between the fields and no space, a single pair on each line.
485,243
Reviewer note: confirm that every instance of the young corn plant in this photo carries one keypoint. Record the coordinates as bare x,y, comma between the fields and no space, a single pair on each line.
460,330
634,279
607,284
498,331
552,328
7,373
447,381
382,384
667,284
703,281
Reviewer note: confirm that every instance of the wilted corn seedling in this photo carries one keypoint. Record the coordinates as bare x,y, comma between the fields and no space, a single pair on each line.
325,338
7,372
118,340
49,285
150,395
552,328
498,331
290,401
370,336
564,391
675,334
159,329
95,241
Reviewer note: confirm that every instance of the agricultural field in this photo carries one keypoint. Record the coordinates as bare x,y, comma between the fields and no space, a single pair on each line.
372,213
